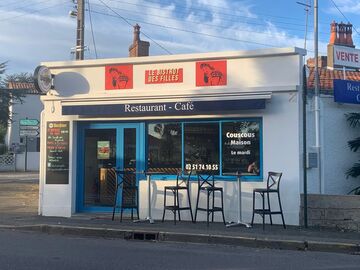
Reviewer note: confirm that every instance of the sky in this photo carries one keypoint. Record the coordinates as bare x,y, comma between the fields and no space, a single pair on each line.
32,31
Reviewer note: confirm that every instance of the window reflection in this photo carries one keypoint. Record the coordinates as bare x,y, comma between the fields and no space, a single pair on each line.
239,142
201,147
164,152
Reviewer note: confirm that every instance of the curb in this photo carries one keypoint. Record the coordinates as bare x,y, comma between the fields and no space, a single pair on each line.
254,242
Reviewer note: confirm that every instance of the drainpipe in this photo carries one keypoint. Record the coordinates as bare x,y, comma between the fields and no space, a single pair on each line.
317,98
304,102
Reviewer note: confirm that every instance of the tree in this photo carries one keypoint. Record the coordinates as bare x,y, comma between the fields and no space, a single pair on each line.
354,145
10,97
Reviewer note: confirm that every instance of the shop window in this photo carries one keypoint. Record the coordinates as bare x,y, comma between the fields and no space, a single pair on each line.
164,147
201,146
217,146
241,147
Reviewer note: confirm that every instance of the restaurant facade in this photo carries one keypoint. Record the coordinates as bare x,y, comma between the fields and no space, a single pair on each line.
221,112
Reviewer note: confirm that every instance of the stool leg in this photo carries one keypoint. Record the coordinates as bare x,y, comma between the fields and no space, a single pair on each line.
164,205
115,201
191,214
222,206
137,203
252,219
207,208
268,199
282,216
263,207
178,204
213,205
197,204
121,214
174,193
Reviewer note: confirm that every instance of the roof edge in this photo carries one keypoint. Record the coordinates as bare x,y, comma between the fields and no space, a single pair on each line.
179,57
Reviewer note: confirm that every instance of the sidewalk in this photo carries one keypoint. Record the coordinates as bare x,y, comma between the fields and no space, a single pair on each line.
18,211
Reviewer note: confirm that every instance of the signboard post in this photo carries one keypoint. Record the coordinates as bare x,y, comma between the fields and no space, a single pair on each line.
28,128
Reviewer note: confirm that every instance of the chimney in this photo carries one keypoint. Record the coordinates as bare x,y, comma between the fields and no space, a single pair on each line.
349,40
139,47
333,35
342,38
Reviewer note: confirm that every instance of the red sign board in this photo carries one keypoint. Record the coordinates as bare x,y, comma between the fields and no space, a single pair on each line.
170,75
211,73
118,77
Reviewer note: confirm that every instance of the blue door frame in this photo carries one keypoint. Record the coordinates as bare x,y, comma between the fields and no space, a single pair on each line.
119,127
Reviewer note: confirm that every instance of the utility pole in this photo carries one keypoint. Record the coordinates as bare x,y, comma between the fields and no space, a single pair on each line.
317,97
307,8
79,49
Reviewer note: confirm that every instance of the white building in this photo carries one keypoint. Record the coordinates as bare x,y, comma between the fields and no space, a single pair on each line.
229,109
29,108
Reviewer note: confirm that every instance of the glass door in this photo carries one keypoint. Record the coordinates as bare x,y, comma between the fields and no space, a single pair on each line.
105,148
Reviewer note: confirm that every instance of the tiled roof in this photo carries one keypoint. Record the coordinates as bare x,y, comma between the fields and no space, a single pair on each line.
327,76
28,87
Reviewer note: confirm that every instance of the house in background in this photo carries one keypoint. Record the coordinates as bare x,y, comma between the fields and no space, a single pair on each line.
29,108
341,62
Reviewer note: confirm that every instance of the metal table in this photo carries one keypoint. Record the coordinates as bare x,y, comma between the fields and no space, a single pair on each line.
148,180
239,221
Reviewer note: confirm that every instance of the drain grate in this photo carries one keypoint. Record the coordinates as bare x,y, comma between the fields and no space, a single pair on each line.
143,236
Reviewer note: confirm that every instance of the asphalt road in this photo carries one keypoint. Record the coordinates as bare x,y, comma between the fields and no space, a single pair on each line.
29,250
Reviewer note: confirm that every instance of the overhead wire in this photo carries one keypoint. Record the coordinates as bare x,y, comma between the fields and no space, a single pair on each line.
92,30
194,22
226,15
263,23
17,8
222,8
344,16
31,12
127,21
189,31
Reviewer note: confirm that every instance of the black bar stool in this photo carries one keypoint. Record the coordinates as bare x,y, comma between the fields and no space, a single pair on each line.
272,186
206,182
182,183
126,181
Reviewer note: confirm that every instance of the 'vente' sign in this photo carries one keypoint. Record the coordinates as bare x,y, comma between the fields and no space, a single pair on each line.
345,56
169,75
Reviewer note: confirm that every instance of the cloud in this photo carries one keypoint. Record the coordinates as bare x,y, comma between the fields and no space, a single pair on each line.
346,6
49,35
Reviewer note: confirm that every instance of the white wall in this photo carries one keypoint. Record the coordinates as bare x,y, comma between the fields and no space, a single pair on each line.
33,163
336,155
30,108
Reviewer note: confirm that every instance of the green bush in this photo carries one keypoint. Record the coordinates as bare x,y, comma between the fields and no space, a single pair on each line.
354,145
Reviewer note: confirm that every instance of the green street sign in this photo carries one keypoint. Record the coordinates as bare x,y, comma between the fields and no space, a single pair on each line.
29,122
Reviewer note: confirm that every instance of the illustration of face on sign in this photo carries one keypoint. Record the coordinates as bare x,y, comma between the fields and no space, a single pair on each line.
118,77
211,73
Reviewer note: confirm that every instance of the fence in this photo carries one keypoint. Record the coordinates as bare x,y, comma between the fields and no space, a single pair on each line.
7,162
